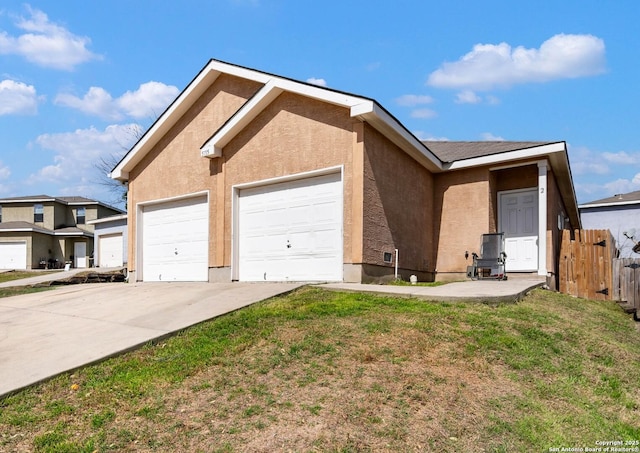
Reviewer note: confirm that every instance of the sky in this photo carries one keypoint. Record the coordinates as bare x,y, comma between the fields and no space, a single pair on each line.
80,81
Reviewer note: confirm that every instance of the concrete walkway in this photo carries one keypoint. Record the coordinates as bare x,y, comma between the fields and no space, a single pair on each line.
47,333
482,291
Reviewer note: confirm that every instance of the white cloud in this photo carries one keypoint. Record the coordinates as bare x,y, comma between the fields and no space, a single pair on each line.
584,161
46,43
17,98
97,101
622,158
423,114
5,172
148,101
489,137
468,97
75,153
424,136
319,82
489,66
411,100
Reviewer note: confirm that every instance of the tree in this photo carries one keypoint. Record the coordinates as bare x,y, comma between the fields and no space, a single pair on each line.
104,166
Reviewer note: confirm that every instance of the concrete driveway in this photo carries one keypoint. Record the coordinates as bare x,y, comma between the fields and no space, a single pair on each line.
48,333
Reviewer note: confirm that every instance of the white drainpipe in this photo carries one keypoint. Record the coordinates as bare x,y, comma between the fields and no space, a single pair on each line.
396,264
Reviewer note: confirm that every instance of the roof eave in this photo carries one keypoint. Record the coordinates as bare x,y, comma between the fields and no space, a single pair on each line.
384,122
555,152
608,204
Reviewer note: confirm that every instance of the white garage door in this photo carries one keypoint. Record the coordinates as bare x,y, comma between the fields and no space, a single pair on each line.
13,255
175,244
291,231
110,250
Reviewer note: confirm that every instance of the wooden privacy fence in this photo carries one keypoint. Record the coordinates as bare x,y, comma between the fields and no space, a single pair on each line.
589,269
586,264
626,281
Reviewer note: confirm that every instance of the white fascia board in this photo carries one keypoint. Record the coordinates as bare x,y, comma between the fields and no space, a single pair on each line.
31,200
381,120
606,205
107,219
527,153
173,113
74,234
246,114
267,94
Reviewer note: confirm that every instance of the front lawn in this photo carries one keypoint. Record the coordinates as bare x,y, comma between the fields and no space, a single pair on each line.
326,371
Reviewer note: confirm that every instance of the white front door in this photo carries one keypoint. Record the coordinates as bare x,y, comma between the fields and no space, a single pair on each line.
519,222
291,231
80,254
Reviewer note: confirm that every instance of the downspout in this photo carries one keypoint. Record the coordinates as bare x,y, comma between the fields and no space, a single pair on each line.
396,273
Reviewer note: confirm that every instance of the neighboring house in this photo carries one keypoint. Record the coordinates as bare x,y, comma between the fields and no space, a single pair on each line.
110,241
620,214
42,231
254,177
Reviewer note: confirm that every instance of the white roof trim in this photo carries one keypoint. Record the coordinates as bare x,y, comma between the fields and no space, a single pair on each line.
267,94
380,119
365,109
527,153
605,205
112,218
246,114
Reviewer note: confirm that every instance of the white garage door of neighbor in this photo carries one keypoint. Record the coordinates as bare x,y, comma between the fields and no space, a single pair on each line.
13,255
110,250
291,231
175,244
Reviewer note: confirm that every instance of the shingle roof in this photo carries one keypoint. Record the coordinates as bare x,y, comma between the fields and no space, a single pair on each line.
621,198
448,151
26,226
23,226
73,200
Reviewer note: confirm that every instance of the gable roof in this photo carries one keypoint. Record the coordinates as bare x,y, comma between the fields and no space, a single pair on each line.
620,199
360,107
435,156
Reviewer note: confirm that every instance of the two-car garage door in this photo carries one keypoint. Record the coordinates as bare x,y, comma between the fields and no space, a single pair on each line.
291,231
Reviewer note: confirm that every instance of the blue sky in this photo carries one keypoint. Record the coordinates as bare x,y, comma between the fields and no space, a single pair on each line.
78,78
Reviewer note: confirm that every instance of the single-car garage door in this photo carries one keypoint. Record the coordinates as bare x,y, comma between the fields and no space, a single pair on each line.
291,231
13,255
110,250
175,240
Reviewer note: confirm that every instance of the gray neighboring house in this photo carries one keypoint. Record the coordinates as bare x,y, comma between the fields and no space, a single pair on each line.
620,214
110,241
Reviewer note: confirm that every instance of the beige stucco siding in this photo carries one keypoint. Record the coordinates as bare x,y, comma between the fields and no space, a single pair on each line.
17,213
174,167
292,135
462,202
398,206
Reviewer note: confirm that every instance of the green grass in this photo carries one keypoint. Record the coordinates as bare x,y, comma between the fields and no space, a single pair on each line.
330,371
17,275
18,290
